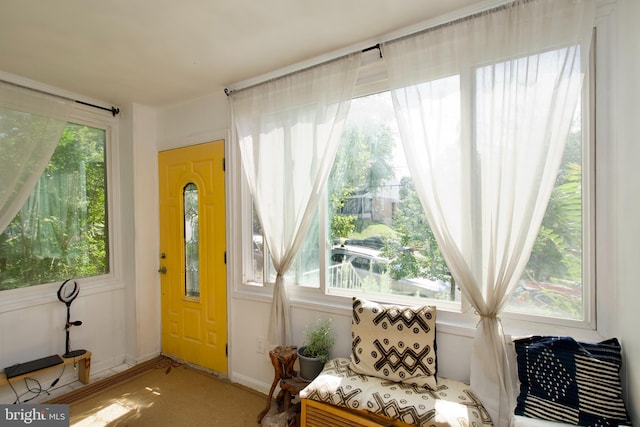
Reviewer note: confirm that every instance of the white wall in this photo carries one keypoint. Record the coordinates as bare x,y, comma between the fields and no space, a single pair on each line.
249,322
196,122
37,330
626,113
144,325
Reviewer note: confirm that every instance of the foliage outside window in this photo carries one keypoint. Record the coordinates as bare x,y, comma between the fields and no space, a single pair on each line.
552,282
61,232
381,244
381,240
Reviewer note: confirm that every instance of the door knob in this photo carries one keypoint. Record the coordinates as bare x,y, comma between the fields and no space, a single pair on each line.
162,270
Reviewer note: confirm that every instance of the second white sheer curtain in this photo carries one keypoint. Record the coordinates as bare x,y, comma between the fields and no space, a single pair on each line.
484,107
31,124
288,131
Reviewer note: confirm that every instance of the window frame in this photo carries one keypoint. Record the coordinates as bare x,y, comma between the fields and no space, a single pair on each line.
598,263
19,298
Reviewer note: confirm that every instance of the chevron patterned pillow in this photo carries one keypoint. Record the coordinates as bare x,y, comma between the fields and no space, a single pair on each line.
394,342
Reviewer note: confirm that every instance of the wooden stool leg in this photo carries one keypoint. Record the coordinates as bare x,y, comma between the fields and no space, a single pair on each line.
287,400
282,359
276,379
84,370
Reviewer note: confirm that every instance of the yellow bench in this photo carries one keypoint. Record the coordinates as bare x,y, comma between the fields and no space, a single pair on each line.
84,369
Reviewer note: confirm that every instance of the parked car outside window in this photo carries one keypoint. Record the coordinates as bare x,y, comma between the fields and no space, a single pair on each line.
362,267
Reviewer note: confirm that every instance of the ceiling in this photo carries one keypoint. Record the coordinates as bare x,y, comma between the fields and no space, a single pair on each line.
163,52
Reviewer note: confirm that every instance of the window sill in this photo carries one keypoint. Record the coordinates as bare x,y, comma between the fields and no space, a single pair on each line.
32,296
449,320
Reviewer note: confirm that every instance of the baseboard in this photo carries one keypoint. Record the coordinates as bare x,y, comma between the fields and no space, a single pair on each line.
251,383
146,357
88,390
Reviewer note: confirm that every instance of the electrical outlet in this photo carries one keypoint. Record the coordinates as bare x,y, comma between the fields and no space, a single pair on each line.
259,345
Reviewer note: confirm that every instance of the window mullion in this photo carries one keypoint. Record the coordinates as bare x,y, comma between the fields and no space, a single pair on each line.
467,138
323,240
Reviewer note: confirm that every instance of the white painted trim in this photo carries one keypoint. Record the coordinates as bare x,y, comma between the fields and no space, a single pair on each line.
246,381
33,296
606,189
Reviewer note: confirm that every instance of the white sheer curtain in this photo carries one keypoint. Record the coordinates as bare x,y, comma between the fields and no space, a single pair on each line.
30,127
484,108
288,131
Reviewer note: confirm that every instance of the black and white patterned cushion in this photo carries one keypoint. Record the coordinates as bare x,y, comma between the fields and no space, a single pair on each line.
568,381
395,343
450,404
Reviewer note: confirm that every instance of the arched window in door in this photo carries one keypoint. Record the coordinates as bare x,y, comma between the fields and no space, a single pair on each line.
191,242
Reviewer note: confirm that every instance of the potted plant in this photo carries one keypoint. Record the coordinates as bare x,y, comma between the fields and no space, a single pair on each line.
315,350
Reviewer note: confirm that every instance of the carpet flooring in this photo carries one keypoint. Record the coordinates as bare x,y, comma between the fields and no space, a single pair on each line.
163,393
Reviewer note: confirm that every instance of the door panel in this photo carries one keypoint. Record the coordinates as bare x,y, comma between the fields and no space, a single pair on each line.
192,259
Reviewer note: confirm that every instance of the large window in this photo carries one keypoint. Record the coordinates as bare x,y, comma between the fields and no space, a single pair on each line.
381,240
372,237
62,230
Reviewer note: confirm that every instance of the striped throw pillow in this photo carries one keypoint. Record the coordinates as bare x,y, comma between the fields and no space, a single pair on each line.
569,381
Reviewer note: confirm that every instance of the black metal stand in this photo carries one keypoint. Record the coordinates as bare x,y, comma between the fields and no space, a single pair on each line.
67,296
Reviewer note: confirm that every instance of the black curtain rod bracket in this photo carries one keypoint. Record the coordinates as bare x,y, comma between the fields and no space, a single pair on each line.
114,110
377,46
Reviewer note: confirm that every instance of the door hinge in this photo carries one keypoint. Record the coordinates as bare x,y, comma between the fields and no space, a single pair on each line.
224,164
225,257
226,349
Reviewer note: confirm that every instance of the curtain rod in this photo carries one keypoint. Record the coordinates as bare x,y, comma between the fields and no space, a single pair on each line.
434,27
495,9
114,110
229,92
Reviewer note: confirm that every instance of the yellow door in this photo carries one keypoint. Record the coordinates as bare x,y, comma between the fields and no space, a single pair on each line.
192,255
